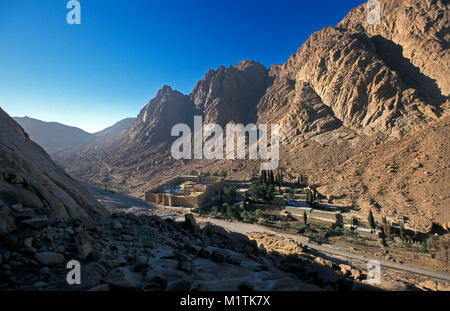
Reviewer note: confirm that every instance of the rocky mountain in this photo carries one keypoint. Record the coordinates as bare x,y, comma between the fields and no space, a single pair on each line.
155,121
231,94
349,92
53,136
115,128
419,31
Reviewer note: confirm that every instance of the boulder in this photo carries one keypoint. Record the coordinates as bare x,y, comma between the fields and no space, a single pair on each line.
346,270
84,250
49,258
155,282
7,223
11,241
182,285
219,255
356,274
123,278
36,222
99,288
190,221
140,264
185,266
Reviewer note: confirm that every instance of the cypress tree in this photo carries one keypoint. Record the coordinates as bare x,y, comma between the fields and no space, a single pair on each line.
371,220
264,177
271,177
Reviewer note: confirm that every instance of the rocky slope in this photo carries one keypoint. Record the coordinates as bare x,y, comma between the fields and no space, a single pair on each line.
231,94
48,219
420,30
116,128
29,177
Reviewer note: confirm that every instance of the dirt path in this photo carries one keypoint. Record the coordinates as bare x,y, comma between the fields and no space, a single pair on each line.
248,228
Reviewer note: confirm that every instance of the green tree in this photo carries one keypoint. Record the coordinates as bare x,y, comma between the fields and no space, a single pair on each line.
233,212
264,177
271,178
371,220
402,233
259,213
262,192
309,196
230,192
215,210
386,228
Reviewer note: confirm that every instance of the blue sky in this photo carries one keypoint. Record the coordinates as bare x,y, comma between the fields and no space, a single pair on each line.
106,69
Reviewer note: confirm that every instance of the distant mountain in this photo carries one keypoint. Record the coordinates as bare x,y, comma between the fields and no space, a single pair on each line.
29,177
53,136
116,128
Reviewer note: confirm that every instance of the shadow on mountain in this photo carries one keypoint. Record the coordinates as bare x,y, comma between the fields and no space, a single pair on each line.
392,55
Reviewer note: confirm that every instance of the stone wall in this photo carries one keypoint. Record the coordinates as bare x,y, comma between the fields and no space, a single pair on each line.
316,215
213,184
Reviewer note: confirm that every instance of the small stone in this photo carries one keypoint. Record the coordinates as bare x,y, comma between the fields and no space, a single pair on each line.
84,250
156,283
17,207
149,244
185,266
27,242
11,241
345,269
114,263
116,225
44,270
356,274
122,278
140,264
36,222
182,285
234,260
40,284
49,258
218,256
60,249
99,288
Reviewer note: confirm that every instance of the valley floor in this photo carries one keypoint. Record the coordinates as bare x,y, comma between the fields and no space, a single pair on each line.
394,276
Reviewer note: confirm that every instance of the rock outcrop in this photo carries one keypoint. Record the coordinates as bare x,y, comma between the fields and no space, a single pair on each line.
231,94
420,31
30,179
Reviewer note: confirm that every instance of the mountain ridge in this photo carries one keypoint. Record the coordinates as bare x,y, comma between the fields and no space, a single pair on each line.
347,86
